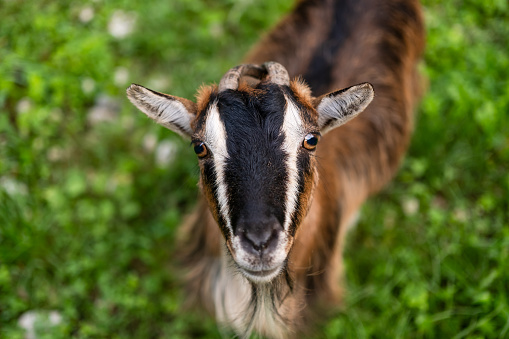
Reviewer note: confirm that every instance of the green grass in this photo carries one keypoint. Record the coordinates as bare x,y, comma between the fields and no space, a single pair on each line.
88,213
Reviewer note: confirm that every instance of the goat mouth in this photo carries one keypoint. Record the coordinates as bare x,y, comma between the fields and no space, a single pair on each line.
261,275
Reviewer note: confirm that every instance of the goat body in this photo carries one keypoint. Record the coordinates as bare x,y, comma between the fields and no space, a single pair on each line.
263,247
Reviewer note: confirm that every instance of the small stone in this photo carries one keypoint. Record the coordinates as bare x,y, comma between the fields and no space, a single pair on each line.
410,206
105,110
87,85
121,76
460,214
165,153
121,24
13,187
46,319
149,142
86,14
23,106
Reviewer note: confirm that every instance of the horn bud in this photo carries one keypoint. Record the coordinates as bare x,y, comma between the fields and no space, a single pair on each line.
272,71
231,79
277,73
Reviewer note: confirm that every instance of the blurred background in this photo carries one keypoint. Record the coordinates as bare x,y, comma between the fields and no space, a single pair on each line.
91,191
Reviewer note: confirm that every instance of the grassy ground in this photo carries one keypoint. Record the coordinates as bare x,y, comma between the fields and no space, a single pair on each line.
91,192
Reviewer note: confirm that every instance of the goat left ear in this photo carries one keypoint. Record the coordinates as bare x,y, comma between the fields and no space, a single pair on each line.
169,111
336,108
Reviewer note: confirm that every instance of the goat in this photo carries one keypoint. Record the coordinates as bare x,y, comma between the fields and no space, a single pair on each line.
264,245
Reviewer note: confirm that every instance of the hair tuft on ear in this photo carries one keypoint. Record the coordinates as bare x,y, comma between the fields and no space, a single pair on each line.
337,108
169,111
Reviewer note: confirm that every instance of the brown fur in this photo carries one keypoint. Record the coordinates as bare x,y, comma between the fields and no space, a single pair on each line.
203,95
203,241
355,160
302,93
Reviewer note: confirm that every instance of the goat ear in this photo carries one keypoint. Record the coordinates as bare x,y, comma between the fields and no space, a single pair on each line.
336,108
171,112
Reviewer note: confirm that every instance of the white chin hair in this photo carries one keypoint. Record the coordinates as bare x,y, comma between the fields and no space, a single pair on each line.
261,277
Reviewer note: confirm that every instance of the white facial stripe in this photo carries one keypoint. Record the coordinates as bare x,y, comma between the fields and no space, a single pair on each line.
293,132
215,138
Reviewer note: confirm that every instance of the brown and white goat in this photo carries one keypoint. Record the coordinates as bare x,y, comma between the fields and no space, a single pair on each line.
280,181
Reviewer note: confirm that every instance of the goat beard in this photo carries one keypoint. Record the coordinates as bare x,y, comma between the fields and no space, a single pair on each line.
267,297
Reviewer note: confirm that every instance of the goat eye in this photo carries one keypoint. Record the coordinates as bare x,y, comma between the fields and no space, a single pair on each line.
200,149
310,141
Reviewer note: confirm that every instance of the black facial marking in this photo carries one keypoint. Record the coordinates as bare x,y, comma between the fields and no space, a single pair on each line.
255,173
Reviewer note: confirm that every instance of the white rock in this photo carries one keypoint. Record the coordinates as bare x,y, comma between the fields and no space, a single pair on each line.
55,318
55,153
87,85
165,153
121,24
47,319
461,214
13,187
105,109
23,106
149,142
86,14
121,76
410,206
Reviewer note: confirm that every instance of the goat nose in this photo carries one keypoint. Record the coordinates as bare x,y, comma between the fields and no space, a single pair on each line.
260,237
259,234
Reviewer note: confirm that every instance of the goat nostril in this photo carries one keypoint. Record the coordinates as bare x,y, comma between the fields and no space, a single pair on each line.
258,234
260,239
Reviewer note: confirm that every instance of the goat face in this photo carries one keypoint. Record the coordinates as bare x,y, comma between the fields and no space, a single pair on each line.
255,145
256,174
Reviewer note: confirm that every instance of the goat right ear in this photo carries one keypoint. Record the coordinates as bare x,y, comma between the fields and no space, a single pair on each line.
336,108
171,112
